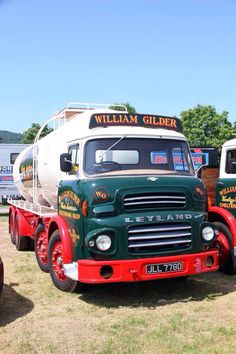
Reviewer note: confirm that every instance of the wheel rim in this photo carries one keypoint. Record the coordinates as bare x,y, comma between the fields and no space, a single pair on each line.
42,247
57,261
224,248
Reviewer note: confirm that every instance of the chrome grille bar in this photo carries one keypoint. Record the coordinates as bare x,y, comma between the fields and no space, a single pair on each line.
154,197
157,200
159,237
158,228
150,236
159,243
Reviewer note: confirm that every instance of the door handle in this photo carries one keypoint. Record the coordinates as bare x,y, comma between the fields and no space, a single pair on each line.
220,184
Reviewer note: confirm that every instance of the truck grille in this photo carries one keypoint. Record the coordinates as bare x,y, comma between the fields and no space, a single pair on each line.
155,201
159,237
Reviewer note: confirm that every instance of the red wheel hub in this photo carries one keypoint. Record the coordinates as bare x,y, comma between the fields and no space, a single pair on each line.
42,247
57,261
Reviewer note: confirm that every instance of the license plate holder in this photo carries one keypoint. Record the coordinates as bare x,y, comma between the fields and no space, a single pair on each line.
167,267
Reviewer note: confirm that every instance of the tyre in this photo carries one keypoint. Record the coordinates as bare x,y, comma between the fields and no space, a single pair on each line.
41,248
225,244
12,229
55,264
22,242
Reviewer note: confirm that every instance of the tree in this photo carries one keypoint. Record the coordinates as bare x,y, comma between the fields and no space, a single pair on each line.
7,137
203,126
30,134
130,108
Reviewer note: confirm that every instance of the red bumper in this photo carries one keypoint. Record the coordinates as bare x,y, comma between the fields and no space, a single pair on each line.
90,271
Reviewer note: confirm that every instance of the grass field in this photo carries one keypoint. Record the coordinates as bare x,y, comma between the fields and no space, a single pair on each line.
168,316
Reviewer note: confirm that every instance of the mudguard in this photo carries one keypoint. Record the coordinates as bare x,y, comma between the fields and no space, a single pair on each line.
64,230
217,214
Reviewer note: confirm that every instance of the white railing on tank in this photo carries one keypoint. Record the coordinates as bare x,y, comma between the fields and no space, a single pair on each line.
33,207
60,118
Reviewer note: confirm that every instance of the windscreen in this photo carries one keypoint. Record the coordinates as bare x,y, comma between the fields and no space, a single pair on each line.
162,156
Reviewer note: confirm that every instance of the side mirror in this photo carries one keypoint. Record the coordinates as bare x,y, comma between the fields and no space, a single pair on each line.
65,162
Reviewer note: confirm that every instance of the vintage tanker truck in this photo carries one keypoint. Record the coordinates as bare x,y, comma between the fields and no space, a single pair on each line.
112,197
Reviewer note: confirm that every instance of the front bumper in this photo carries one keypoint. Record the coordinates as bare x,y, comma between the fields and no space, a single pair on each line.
90,271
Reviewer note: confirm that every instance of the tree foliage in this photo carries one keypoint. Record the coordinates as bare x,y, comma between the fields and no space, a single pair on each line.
204,127
30,134
130,108
7,137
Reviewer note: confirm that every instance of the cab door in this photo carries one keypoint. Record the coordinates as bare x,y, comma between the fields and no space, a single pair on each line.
226,184
69,201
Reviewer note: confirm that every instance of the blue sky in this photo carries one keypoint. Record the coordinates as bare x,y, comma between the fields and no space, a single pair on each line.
161,56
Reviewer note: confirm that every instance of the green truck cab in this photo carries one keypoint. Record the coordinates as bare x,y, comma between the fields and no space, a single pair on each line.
136,208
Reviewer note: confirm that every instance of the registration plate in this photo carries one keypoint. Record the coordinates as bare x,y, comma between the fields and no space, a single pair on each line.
164,267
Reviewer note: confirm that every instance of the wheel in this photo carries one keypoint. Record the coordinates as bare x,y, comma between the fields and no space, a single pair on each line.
12,229
41,248
22,242
225,245
55,264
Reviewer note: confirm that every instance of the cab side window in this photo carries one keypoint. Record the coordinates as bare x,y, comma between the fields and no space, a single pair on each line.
230,161
74,151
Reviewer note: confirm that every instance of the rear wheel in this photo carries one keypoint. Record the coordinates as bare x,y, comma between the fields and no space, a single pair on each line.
55,264
41,248
12,229
225,245
22,242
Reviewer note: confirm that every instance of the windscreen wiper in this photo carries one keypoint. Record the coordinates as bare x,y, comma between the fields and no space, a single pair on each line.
113,145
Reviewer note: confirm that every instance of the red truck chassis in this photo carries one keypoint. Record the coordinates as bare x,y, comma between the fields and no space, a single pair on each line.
23,226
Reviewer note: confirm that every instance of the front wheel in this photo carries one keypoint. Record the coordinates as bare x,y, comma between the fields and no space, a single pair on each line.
225,244
55,264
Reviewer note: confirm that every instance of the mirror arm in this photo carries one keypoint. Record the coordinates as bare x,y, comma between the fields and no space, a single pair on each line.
199,170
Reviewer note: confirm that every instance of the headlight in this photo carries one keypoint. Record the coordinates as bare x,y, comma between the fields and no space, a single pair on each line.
208,233
103,242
